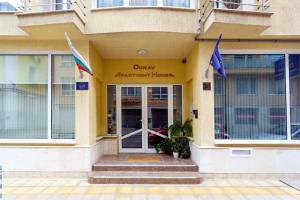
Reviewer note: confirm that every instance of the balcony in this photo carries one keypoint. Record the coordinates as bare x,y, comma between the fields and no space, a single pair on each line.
43,16
242,17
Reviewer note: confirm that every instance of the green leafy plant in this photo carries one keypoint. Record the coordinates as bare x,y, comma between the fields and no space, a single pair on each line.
158,148
181,130
166,146
183,144
176,147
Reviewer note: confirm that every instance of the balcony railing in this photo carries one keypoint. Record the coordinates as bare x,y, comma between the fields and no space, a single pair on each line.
39,6
207,6
144,3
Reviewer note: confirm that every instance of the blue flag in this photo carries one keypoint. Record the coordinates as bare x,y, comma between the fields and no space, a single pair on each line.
216,59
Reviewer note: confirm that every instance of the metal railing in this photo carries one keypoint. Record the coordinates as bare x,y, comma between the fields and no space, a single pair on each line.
36,6
205,7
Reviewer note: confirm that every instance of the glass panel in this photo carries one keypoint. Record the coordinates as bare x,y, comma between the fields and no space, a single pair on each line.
6,6
23,96
177,103
157,114
295,95
142,2
131,103
62,5
177,3
253,104
111,109
109,3
63,97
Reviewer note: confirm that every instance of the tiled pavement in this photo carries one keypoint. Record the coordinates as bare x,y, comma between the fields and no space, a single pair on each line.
219,189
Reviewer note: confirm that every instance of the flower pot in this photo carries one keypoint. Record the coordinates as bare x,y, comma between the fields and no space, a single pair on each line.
175,154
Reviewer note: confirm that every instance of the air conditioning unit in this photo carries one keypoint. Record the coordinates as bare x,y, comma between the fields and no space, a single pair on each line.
245,5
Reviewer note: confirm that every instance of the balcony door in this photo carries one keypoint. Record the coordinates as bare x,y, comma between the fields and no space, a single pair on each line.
144,114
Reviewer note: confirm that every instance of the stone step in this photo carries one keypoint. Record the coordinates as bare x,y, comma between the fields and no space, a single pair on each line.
145,167
141,177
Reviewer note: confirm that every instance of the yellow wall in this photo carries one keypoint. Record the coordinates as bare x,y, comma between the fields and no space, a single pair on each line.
96,82
112,68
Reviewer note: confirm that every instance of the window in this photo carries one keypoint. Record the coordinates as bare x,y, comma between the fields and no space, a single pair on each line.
111,109
159,92
246,115
177,3
142,2
131,91
109,3
62,5
294,74
63,99
23,99
177,103
251,112
246,85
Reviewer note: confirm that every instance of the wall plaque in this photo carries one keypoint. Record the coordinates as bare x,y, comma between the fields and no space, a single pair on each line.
82,85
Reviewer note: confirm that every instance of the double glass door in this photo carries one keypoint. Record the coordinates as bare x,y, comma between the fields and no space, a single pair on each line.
145,112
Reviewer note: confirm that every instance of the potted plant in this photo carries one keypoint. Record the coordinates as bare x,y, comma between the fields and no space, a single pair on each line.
176,149
166,146
181,130
180,133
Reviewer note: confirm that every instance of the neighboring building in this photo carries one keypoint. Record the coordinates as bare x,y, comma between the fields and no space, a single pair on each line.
151,62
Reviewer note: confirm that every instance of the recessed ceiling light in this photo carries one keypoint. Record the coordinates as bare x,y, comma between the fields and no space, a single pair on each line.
142,52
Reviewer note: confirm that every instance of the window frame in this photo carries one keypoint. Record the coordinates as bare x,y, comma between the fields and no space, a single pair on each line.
49,140
288,94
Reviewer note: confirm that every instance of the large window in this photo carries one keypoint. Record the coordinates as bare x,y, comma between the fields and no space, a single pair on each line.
253,105
63,97
25,104
23,97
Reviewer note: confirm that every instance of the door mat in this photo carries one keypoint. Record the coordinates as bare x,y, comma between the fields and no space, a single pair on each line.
132,158
292,183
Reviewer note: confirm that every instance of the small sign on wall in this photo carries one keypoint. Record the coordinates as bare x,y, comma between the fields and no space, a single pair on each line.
206,86
82,85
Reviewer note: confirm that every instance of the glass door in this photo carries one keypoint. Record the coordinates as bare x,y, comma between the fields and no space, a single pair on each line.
158,115
144,113
131,112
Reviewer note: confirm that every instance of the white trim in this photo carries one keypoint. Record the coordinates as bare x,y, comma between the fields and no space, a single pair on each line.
288,103
260,51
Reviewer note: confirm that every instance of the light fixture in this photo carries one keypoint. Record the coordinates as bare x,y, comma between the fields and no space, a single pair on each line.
142,52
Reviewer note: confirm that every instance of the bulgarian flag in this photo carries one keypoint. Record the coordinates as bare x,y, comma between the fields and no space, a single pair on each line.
79,60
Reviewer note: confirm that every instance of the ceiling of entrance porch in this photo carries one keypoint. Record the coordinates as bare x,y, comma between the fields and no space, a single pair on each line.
158,45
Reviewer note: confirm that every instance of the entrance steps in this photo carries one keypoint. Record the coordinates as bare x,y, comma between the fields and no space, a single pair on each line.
118,170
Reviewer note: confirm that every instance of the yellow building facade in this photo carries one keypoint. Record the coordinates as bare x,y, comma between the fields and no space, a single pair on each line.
152,66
